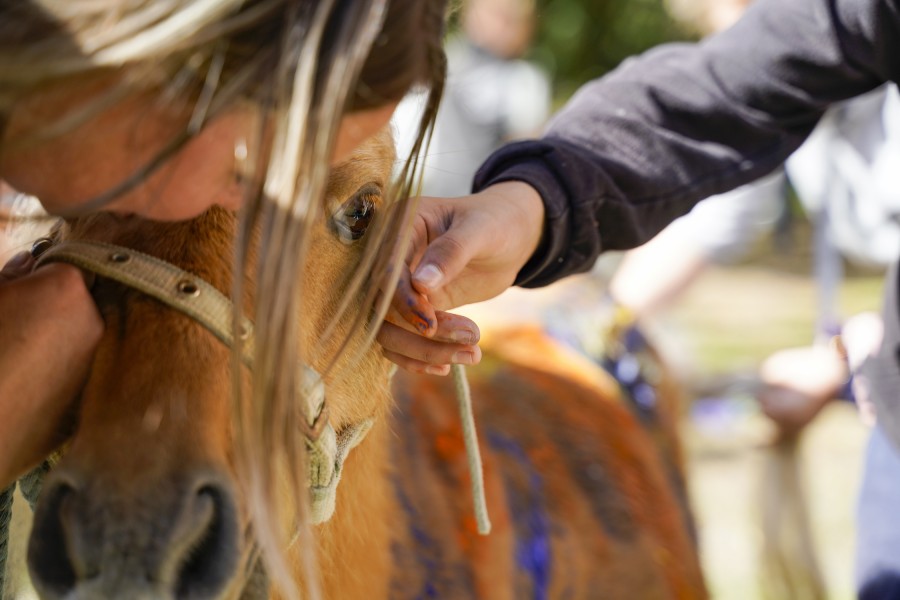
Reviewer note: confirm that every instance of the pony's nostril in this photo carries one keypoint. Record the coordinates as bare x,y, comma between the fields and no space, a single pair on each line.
52,569
209,552
91,541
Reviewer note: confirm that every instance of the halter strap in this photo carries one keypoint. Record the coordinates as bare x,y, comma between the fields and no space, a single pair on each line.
188,294
161,280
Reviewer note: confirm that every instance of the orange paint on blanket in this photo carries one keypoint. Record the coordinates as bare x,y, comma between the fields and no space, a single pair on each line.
449,446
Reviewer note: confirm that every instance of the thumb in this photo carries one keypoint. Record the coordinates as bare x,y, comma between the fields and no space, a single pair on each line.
444,259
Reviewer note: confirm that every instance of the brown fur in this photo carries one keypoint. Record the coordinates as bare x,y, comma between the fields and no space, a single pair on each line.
570,474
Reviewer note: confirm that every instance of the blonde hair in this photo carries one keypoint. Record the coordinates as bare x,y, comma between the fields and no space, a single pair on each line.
304,63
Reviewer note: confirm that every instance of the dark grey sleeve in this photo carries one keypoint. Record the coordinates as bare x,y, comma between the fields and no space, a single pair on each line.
636,149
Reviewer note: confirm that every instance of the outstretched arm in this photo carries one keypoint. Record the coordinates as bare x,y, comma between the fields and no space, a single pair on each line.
638,148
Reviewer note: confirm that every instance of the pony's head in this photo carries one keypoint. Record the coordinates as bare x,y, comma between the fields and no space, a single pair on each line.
146,502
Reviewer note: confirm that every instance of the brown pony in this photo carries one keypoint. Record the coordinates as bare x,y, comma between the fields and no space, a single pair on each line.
145,502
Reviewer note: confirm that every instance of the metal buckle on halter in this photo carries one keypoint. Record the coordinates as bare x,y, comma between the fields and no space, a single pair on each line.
40,246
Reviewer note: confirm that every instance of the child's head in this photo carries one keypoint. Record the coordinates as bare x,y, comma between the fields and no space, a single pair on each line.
502,27
179,68
166,107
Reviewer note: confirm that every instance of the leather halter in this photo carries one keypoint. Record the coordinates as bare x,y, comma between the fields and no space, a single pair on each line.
205,304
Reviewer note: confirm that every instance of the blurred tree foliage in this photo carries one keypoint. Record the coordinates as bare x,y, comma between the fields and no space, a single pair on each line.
579,40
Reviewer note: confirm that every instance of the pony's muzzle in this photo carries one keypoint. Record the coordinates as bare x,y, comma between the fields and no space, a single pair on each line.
178,541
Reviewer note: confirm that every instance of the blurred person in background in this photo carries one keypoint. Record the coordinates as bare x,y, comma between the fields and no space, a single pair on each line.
844,175
492,95
846,178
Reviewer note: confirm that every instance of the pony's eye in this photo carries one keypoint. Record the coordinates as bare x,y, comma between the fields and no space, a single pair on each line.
354,216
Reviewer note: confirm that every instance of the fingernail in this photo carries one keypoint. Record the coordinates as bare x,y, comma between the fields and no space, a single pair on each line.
436,370
463,336
429,276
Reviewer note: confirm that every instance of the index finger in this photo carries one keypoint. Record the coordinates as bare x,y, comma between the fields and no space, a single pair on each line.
412,306
450,327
